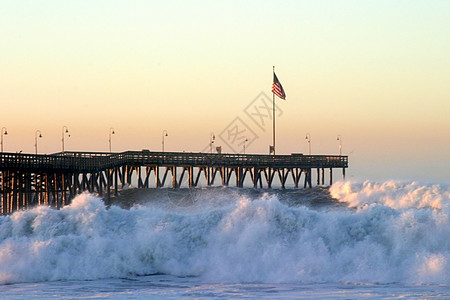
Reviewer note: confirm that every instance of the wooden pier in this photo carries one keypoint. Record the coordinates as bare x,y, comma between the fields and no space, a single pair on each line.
27,180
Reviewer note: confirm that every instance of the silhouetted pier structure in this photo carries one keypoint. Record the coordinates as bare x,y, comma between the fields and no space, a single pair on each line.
27,180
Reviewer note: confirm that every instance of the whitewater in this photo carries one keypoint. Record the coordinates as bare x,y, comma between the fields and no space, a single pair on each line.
352,240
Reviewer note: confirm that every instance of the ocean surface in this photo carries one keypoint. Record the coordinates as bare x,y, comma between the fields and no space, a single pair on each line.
354,240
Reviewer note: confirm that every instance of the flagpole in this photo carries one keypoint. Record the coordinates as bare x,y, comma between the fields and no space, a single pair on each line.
273,109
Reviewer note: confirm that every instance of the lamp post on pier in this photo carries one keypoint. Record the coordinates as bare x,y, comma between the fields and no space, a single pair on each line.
36,139
65,131
164,134
339,138
308,138
111,131
211,141
4,132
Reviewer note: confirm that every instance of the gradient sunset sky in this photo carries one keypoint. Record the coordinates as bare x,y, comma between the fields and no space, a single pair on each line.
377,73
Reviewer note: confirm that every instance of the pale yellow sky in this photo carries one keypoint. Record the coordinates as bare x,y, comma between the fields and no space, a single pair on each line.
377,73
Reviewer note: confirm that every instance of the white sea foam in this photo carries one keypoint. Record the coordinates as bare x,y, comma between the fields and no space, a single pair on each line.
394,194
257,239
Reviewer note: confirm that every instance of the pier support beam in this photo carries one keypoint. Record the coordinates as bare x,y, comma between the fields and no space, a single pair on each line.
174,177
331,176
191,176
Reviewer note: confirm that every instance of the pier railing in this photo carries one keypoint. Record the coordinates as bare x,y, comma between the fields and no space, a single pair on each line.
96,161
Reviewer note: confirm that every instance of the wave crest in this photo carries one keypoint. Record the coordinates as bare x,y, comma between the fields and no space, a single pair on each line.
394,194
250,239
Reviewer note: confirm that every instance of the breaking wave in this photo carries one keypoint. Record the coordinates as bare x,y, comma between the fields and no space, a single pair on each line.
389,232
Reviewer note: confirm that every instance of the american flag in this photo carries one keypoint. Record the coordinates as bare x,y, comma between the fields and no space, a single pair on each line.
277,88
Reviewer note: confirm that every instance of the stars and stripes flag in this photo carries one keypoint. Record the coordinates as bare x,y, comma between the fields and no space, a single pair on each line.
277,88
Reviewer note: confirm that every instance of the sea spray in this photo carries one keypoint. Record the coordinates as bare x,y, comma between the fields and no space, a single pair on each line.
233,235
395,194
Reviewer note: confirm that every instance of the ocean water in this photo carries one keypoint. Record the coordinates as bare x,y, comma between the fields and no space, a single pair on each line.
350,241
